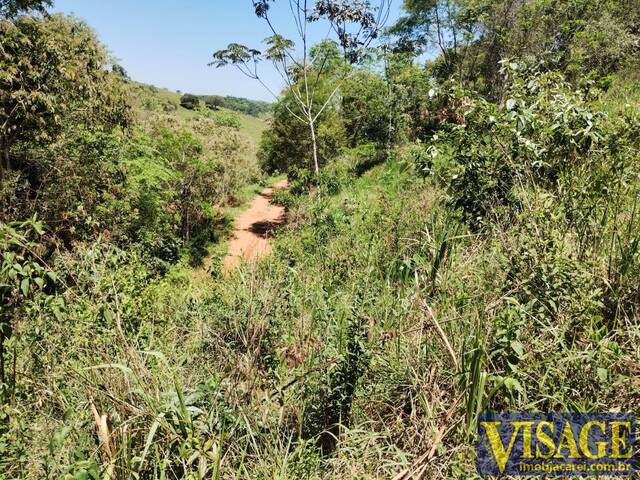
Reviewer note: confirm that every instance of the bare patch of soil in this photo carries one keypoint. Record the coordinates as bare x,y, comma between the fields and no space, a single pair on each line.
254,228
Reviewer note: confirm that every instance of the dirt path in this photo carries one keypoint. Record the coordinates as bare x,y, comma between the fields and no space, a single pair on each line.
252,229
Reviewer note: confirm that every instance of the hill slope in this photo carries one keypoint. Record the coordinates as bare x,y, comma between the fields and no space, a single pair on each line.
150,99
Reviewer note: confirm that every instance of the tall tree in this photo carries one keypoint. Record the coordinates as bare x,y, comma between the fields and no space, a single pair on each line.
51,69
13,8
448,28
471,37
355,24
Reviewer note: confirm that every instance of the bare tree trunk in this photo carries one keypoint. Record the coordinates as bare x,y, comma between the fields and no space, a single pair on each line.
441,40
314,141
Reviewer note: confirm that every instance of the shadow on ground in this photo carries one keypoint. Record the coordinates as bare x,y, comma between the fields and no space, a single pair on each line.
266,229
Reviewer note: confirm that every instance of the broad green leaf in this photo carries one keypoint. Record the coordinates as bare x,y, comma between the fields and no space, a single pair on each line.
24,286
517,348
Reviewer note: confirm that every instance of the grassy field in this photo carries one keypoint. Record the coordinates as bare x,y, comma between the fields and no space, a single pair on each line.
623,93
150,99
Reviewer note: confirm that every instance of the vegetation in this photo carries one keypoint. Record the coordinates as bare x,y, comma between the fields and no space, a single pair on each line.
189,101
86,172
469,241
61,65
214,102
255,108
12,8
582,38
303,77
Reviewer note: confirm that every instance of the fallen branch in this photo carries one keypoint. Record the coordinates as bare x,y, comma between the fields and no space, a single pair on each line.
102,428
442,334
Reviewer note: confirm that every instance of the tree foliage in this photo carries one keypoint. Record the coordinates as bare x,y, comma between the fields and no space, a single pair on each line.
254,108
189,101
468,241
214,102
12,8
355,24
52,70
366,109
471,37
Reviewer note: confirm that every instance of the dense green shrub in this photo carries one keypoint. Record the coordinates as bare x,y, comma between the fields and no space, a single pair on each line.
543,130
366,110
420,158
226,119
545,276
62,82
214,102
22,276
189,101
286,144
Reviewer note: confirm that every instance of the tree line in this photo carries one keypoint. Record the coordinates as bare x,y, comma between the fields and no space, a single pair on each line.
255,108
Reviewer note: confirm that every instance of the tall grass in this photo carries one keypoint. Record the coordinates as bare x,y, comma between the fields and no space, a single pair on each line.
365,346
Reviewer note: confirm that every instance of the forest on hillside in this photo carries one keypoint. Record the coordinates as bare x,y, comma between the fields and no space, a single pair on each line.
462,235
255,108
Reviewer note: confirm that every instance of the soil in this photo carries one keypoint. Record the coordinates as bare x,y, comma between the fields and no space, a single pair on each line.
254,228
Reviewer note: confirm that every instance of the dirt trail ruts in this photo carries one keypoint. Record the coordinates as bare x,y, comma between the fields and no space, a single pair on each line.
253,228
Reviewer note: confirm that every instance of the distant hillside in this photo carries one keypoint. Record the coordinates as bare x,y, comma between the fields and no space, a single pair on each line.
255,108
149,99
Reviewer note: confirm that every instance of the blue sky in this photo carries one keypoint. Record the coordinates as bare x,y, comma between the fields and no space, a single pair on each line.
168,43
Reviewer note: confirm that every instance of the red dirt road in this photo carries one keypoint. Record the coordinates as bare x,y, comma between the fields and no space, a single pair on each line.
253,228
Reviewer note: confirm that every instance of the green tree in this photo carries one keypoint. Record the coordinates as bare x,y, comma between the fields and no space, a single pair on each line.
214,102
195,175
286,145
52,70
12,8
120,71
355,24
244,105
189,101
471,37
366,108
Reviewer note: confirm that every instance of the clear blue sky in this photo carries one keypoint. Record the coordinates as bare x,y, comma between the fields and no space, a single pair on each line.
168,43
